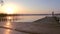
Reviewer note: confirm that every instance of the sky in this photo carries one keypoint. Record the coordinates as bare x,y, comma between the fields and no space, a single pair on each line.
35,6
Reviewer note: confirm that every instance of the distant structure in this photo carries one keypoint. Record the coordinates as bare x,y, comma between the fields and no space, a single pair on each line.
56,18
53,14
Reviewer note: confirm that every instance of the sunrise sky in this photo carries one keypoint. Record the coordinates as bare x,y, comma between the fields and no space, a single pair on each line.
31,6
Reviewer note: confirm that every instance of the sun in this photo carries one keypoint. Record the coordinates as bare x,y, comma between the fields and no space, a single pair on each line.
10,8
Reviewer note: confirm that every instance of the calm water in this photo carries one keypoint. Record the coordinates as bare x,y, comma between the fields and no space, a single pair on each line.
28,18
12,22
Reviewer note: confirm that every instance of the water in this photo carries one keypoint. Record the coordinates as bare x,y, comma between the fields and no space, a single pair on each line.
12,22
27,18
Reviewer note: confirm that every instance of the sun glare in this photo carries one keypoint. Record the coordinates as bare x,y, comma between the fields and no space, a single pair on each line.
10,8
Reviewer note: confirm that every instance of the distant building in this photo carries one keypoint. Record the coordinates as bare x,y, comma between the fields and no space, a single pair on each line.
53,14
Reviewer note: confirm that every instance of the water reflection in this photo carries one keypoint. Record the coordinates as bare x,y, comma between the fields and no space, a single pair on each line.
13,22
7,31
9,17
8,22
8,25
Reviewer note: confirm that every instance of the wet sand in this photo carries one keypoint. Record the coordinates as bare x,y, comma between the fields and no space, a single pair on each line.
35,28
38,28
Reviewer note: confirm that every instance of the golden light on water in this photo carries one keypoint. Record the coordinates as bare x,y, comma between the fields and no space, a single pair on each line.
8,23
9,17
7,31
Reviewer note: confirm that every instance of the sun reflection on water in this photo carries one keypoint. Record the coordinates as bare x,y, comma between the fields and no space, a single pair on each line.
7,31
9,17
8,24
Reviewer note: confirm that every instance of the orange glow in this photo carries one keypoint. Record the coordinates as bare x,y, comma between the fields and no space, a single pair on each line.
7,31
9,17
8,24
10,8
